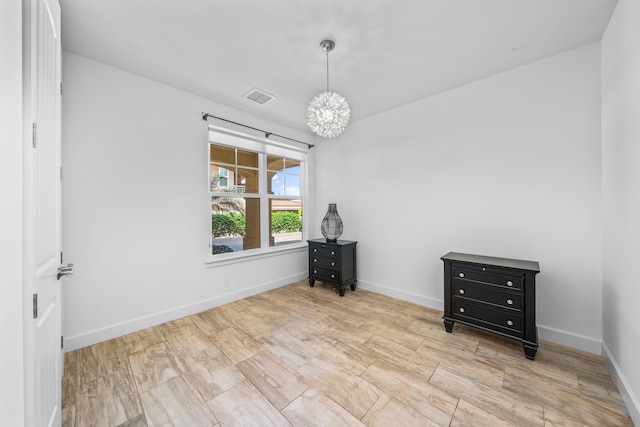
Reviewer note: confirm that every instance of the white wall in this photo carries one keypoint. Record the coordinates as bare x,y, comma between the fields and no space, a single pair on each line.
621,201
136,209
11,303
508,166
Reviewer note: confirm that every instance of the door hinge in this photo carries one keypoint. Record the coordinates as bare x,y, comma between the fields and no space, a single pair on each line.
61,342
35,135
35,306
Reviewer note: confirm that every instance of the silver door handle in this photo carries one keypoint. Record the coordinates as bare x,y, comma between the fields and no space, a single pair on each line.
66,271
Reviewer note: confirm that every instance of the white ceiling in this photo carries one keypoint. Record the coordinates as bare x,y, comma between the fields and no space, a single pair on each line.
388,53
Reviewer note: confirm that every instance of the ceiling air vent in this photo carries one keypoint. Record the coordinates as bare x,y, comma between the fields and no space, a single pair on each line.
259,96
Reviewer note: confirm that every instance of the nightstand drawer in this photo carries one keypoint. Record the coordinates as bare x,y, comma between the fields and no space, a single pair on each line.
324,274
320,261
328,251
488,293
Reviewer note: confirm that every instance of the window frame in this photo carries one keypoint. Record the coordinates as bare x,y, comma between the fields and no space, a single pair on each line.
264,147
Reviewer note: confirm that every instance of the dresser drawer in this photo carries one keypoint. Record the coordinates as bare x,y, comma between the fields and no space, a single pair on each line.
486,316
485,275
327,251
488,293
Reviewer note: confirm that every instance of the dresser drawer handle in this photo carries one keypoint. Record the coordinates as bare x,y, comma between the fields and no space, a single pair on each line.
315,271
315,260
509,283
461,291
461,310
333,276
315,249
333,253
510,322
461,274
510,301
332,264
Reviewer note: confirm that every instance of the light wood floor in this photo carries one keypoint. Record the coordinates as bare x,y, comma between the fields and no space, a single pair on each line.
304,356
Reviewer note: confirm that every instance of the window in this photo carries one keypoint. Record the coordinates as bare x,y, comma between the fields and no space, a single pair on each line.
257,192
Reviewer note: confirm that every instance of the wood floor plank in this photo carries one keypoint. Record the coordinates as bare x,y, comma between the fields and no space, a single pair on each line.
140,340
507,406
109,400
345,355
174,403
314,408
506,356
573,406
236,345
211,321
349,390
388,411
469,415
211,372
70,379
102,359
276,380
187,339
244,405
69,416
414,391
155,365
419,364
291,350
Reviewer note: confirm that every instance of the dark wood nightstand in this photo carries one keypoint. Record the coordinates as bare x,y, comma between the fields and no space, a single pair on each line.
333,262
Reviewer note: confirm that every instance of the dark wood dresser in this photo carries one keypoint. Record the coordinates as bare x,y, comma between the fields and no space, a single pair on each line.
494,294
333,263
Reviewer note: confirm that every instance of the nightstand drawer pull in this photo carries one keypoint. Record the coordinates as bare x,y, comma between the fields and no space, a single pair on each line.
461,310
315,260
315,271
510,301
509,283
333,264
333,276
461,291
510,322
315,249
333,253
461,274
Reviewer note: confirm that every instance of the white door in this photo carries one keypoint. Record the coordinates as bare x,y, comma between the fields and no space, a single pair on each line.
42,253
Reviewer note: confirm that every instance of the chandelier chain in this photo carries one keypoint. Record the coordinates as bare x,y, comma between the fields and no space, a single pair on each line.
327,71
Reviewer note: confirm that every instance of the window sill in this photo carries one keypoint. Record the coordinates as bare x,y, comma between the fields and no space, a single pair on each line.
254,254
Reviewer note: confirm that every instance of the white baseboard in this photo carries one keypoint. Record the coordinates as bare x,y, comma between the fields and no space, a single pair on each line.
436,304
119,329
632,405
570,339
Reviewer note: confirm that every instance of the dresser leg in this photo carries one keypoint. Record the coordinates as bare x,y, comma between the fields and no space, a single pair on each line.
312,282
448,326
341,288
530,350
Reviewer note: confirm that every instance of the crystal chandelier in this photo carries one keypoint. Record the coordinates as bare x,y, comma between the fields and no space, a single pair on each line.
328,113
